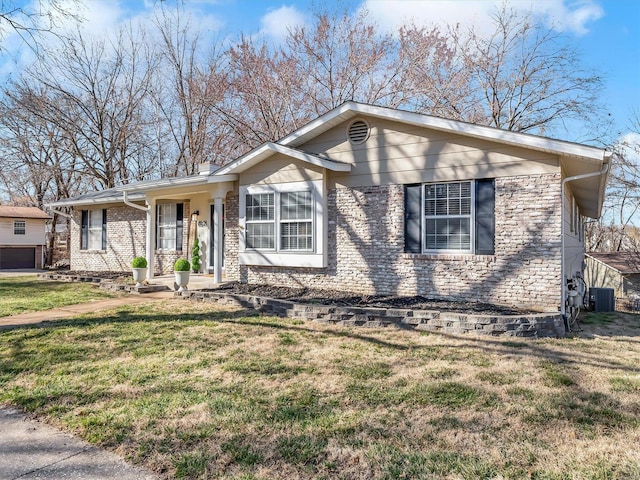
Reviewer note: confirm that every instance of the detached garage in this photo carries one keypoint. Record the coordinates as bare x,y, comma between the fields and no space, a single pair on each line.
22,237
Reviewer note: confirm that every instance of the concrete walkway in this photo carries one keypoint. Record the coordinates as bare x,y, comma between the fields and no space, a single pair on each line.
69,311
30,450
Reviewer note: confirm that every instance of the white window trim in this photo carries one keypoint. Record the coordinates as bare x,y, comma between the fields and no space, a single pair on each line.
23,227
90,214
317,257
159,226
472,221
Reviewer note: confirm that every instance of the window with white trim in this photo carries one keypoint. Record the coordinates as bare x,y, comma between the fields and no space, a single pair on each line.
167,216
447,215
260,221
19,227
296,222
95,230
450,217
288,213
283,224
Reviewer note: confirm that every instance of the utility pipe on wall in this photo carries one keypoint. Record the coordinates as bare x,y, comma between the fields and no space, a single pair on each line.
563,283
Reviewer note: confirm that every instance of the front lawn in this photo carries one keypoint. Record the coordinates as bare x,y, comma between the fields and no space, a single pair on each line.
195,391
27,294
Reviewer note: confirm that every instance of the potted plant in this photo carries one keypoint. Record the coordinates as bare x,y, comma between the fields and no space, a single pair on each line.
195,257
181,270
139,267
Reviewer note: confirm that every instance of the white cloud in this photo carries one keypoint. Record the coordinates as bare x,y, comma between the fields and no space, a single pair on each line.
573,17
276,23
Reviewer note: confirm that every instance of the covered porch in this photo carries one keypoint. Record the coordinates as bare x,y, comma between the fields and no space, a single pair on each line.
200,214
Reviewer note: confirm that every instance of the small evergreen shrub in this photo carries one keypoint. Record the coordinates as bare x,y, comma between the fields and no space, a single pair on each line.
195,256
181,265
139,262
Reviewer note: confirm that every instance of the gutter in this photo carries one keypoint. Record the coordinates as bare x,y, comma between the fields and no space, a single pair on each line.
126,201
563,283
61,213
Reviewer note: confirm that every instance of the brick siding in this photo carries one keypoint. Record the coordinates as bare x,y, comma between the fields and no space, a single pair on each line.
367,224
126,239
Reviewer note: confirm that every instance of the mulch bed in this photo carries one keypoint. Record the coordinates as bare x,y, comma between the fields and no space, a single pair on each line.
340,298
346,299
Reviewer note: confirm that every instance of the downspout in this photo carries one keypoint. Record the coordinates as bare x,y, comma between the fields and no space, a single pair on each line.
147,210
563,282
131,204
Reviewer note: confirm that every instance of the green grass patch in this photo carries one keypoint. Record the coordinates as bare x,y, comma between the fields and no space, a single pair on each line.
195,391
599,318
554,375
28,294
625,384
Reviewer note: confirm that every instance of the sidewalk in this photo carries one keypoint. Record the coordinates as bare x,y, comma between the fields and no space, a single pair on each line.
30,450
69,311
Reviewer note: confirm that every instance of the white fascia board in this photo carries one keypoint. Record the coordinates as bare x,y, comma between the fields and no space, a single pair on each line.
267,149
164,183
312,159
517,139
116,198
213,178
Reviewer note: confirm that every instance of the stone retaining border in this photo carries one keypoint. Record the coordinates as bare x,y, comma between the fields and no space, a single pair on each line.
534,325
104,283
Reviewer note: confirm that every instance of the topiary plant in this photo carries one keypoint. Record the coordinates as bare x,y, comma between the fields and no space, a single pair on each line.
139,262
195,256
181,265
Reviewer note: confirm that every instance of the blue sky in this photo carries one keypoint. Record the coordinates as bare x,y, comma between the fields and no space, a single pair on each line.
607,32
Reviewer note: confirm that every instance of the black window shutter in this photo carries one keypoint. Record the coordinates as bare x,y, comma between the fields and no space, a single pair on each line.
179,221
104,229
84,230
412,219
485,216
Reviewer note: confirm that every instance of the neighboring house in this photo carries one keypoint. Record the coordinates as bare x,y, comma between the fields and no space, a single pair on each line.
617,270
371,200
22,237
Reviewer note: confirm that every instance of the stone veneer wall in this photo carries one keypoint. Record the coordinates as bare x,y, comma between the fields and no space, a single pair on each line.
126,239
367,223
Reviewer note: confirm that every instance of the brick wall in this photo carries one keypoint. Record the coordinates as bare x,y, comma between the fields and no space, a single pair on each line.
126,239
368,226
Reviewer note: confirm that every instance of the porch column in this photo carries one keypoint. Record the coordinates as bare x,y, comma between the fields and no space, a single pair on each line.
150,246
217,240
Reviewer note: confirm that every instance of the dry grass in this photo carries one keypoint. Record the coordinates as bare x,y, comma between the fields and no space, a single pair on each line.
193,391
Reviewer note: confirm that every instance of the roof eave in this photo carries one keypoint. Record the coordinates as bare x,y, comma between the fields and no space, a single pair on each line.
518,139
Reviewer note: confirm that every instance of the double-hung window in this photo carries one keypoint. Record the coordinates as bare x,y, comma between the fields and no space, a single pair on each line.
19,227
260,221
450,217
283,224
93,230
296,225
167,226
290,214
447,213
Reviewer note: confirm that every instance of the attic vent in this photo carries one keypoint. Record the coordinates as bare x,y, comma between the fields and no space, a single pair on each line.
358,132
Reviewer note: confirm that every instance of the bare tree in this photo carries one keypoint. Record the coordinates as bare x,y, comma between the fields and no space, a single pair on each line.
615,230
345,58
95,92
185,102
527,77
31,22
